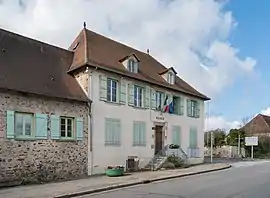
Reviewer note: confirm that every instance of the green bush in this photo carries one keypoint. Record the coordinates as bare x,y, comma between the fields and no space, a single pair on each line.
178,162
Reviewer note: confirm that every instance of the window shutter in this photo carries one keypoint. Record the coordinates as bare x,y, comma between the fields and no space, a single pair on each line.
123,93
135,134
117,132
131,94
41,126
193,137
176,135
55,127
10,124
143,134
102,88
147,97
198,109
153,99
181,105
107,131
79,128
188,107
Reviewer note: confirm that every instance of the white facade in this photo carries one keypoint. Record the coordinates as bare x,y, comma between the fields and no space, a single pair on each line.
101,155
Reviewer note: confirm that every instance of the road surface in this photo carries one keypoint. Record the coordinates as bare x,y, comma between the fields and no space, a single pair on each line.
244,180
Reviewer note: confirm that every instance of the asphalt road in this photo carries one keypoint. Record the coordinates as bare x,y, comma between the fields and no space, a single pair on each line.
244,180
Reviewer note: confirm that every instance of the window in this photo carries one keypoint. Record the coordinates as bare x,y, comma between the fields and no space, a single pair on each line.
67,127
193,138
193,108
138,96
132,66
23,124
112,132
111,90
170,78
139,134
176,135
159,103
176,105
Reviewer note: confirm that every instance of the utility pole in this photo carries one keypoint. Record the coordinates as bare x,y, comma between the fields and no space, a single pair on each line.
239,142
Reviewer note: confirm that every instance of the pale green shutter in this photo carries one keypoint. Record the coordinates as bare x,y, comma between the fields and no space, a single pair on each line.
198,104
102,88
117,126
79,128
135,134
55,127
189,107
123,93
153,99
193,138
176,135
107,131
143,133
10,124
41,126
147,97
131,94
181,105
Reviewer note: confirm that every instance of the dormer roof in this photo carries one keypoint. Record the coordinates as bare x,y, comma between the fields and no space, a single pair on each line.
130,55
167,70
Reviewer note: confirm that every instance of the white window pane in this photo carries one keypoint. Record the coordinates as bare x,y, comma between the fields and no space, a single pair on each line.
28,124
19,124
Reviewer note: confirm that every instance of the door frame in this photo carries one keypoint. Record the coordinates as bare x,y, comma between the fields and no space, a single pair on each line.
159,124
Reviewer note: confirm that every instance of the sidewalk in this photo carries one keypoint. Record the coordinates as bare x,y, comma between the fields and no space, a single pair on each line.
102,183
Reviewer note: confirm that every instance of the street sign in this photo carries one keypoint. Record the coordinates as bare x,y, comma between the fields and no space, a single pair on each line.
251,141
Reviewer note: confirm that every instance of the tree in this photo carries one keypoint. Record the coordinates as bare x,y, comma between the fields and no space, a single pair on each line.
219,136
233,135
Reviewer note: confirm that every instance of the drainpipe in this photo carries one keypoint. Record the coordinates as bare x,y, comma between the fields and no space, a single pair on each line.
90,123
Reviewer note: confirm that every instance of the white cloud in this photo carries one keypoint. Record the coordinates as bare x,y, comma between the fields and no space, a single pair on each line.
266,111
180,33
215,122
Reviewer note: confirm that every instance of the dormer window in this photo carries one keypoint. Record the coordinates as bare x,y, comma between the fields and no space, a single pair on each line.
169,75
131,62
132,66
170,78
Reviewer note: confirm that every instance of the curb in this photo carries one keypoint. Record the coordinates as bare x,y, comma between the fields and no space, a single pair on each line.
113,187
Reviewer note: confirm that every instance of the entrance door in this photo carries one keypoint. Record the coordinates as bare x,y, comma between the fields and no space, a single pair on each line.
158,139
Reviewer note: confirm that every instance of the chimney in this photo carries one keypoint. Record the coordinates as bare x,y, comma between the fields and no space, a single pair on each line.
148,51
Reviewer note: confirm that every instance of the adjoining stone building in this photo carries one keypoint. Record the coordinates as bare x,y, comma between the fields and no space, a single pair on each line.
43,113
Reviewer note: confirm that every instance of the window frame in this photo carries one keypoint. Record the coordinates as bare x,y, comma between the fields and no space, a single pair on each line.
132,65
193,108
159,95
138,98
66,127
177,106
141,133
110,89
16,135
170,77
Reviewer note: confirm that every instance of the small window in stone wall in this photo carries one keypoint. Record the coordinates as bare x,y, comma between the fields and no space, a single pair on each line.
24,124
66,127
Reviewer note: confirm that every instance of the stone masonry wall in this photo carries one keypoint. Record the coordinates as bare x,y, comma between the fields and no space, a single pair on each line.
35,161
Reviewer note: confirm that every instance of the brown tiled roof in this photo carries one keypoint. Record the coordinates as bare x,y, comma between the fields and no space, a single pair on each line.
31,66
266,119
104,53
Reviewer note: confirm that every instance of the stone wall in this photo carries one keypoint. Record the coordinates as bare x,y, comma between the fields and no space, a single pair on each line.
35,161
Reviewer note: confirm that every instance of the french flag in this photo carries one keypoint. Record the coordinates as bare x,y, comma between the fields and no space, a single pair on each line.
167,106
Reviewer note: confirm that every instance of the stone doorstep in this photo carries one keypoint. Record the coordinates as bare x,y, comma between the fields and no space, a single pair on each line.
143,181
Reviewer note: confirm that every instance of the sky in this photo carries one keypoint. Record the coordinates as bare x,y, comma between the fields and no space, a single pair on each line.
218,46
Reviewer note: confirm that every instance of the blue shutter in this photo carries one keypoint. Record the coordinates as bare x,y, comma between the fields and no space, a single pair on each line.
131,94
41,126
10,124
79,128
153,99
55,127
123,92
147,97
193,137
102,88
